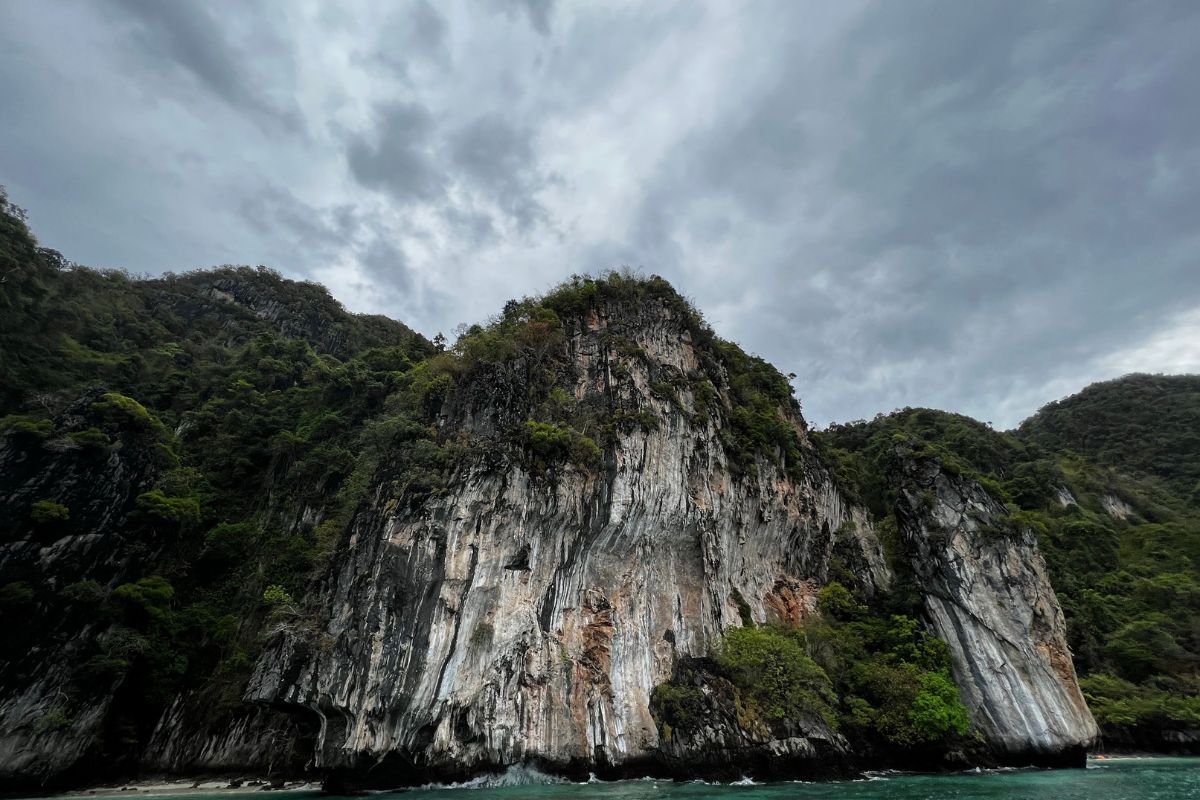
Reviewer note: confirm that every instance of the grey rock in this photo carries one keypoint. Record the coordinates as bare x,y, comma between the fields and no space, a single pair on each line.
437,650
987,594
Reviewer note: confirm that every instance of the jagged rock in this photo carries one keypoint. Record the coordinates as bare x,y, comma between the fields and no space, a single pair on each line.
257,739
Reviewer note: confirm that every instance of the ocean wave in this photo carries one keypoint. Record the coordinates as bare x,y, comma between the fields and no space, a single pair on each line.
516,775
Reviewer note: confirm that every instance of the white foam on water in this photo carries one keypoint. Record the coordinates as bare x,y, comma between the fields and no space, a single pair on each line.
516,775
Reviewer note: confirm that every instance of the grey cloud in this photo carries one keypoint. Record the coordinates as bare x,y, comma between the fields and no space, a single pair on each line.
415,161
187,35
417,31
429,28
400,160
310,235
539,12
499,158
386,264
475,226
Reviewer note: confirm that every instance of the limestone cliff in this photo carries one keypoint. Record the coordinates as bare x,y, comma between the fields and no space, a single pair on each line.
987,594
526,617
286,537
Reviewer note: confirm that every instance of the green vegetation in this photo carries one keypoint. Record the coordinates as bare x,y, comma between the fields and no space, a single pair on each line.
1119,702
46,512
550,443
875,675
893,678
774,674
90,437
1147,424
1129,585
276,596
181,510
24,424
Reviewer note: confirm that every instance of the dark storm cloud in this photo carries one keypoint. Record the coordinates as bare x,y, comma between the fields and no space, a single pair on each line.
400,160
977,206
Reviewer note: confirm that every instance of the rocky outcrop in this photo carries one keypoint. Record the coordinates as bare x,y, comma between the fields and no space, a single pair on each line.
526,617
987,594
725,742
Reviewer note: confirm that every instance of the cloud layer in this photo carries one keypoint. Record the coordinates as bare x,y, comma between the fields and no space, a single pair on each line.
975,206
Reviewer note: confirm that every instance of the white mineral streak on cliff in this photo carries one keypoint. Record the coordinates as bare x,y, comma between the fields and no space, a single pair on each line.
518,617
988,595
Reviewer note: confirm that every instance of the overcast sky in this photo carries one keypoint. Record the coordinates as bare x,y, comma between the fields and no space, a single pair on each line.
974,206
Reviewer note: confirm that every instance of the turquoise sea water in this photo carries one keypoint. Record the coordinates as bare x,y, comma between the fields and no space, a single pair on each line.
1113,779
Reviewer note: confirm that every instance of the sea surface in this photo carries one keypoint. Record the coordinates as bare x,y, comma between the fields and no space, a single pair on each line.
1111,779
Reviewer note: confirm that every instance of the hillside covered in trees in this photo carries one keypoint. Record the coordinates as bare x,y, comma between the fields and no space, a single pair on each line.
1142,424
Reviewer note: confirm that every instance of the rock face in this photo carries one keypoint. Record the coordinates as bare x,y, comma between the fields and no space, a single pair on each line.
98,485
987,594
526,617
258,741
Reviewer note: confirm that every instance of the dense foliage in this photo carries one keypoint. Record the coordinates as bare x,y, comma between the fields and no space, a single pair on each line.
251,415
1147,424
863,669
1123,550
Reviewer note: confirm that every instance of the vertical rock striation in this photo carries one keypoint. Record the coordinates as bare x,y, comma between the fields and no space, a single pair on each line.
526,617
987,594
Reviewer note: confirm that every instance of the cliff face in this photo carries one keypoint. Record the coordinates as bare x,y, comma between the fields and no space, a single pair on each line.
526,616
84,533
986,592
